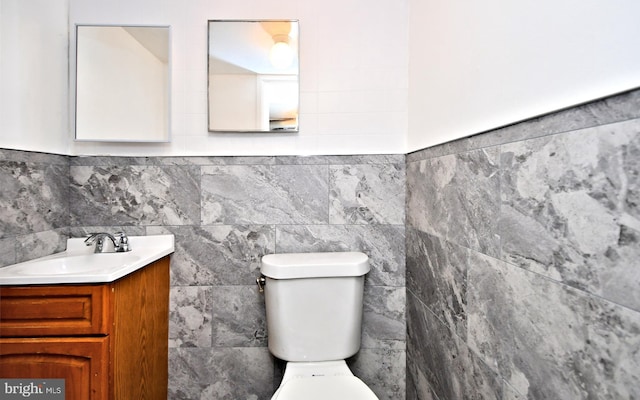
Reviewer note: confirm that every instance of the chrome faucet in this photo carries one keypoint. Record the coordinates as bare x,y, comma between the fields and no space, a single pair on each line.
120,242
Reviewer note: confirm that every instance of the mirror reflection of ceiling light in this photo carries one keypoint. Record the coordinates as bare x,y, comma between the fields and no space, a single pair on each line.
281,54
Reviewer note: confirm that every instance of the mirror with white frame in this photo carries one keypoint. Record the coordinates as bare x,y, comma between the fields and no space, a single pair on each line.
253,76
122,87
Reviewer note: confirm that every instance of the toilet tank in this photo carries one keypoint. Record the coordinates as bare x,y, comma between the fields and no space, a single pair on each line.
314,304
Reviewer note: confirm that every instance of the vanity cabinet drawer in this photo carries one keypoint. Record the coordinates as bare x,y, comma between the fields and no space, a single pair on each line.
34,311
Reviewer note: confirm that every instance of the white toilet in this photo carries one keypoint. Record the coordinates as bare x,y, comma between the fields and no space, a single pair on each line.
314,318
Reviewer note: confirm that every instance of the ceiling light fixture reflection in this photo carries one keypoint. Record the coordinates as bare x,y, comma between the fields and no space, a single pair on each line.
281,54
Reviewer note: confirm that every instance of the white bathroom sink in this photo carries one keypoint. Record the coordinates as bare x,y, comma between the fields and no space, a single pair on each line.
78,264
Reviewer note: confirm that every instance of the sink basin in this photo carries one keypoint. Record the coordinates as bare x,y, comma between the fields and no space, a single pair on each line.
74,264
78,264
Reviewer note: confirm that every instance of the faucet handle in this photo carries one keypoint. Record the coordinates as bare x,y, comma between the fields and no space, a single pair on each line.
123,242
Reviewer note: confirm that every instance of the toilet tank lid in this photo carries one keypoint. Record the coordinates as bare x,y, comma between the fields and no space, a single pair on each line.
314,265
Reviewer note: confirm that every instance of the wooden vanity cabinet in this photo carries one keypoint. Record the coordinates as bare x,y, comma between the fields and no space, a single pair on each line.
108,341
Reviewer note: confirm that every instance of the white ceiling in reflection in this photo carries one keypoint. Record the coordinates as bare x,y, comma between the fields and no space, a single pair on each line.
244,48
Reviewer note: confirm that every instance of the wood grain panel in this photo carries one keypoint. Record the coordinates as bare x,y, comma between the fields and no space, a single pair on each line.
82,362
141,333
32,311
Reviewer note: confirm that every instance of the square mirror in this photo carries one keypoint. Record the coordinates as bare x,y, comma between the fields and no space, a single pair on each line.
253,76
122,91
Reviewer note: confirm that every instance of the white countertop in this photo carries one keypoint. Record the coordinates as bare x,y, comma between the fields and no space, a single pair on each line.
79,264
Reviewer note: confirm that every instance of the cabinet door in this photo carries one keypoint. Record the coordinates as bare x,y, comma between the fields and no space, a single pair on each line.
81,362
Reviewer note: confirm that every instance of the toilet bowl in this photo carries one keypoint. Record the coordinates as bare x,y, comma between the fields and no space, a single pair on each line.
314,320
321,381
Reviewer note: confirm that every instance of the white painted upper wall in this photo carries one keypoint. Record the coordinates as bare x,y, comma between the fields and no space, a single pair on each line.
471,66
33,75
479,65
353,74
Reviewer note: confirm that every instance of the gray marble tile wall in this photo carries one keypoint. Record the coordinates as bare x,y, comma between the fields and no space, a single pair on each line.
226,213
523,259
34,205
